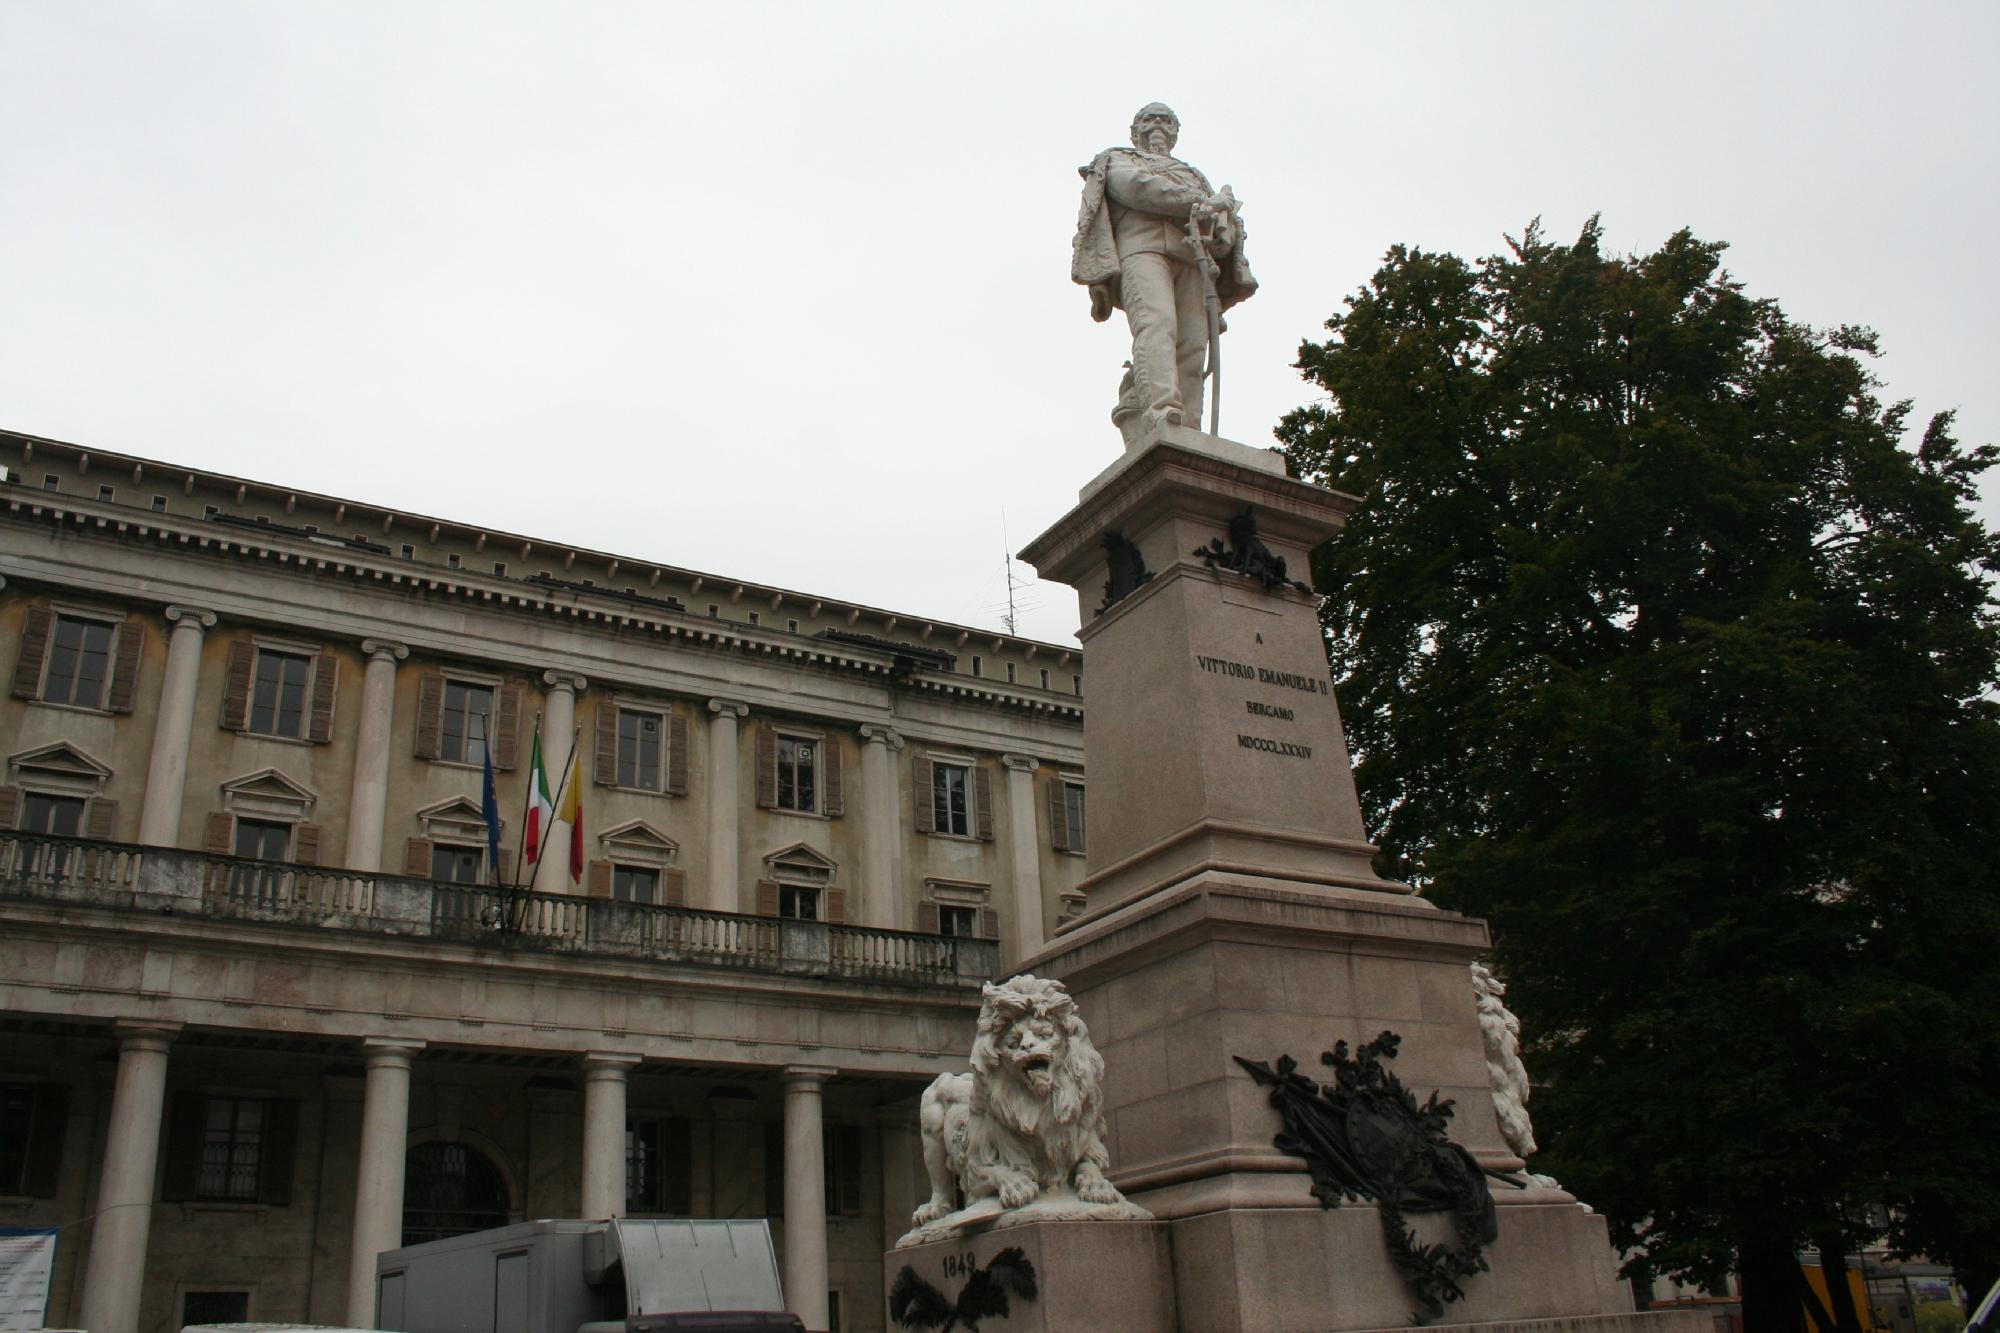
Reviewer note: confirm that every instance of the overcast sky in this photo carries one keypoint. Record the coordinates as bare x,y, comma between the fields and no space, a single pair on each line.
781,291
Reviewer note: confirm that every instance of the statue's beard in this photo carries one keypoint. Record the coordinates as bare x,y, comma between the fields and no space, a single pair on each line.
1157,142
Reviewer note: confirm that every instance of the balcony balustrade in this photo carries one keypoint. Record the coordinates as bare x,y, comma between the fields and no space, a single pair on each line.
229,888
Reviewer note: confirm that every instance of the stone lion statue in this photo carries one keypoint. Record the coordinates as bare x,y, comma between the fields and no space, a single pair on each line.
1509,1077
1024,1130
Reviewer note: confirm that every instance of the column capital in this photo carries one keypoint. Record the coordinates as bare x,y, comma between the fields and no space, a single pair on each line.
196,617
807,1076
384,650
888,737
1021,763
390,1052
609,1064
143,1034
728,708
565,680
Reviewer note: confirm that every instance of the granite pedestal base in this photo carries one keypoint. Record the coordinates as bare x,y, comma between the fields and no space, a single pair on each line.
1088,1275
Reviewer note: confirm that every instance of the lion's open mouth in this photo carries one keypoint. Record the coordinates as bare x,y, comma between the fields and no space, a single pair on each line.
1039,1070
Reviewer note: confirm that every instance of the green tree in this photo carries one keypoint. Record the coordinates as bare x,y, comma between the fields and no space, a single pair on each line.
1660,649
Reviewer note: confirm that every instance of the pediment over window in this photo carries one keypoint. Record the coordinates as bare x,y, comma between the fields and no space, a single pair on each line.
456,818
267,792
639,836
800,863
61,766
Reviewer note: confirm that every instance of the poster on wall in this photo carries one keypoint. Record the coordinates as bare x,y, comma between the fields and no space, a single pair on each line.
27,1261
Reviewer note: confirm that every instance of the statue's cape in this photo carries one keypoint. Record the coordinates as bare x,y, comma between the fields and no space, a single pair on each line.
1094,253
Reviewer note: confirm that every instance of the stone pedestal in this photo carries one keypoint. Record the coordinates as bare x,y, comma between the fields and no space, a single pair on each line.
1233,910
1088,1275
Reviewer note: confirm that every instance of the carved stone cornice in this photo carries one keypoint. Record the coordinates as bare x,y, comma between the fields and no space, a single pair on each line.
728,707
875,734
385,650
1020,763
196,617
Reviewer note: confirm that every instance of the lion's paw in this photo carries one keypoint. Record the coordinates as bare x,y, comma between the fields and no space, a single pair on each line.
1018,1194
929,1213
1096,1189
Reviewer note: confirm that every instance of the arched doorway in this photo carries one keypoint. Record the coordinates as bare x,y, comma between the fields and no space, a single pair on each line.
448,1190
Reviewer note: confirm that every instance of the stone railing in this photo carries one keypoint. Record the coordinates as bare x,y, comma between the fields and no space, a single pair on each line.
120,875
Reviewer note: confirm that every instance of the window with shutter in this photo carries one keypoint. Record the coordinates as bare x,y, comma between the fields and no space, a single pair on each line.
326,678
1058,817
129,646
1073,812
982,803
79,665
237,678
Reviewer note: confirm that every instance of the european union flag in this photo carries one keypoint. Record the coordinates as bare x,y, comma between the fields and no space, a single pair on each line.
489,809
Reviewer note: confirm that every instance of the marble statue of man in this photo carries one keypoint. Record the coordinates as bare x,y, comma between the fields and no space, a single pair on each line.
1132,251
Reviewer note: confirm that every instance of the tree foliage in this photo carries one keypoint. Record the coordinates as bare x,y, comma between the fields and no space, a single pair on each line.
1661,647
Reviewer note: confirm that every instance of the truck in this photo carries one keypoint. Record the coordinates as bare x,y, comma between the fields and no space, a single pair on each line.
618,1276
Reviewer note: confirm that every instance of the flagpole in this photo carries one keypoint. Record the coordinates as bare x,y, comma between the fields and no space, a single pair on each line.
527,803
561,787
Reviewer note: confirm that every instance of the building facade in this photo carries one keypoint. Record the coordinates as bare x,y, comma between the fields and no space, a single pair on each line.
267,1002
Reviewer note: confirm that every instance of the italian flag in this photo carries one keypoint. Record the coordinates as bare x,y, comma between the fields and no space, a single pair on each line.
572,815
540,807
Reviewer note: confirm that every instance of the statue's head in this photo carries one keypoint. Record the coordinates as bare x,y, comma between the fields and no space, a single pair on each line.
1155,129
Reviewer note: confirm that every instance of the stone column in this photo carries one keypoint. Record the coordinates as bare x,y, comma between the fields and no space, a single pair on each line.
724,893
881,829
378,1187
124,1213
368,802
604,1133
904,1185
559,735
1026,849
805,1195
166,772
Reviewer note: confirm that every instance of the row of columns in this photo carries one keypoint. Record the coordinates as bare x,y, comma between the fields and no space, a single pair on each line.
166,780
115,1269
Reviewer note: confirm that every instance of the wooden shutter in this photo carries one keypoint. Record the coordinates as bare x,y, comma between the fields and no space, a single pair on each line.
1058,816
305,844
767,897
10,807
677,755
182,1149
833,796
34,648
836,906
417,858
275,1151
677,1171
100,819
236,685
607,743
774,1169
130,645
927,919
326,677
843,1155
989,923
598,879
674,887
218,834
982,803
767,769
926,800
507,727
47,1126
430,717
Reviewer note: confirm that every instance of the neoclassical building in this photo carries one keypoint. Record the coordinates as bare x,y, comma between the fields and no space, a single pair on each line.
267,1004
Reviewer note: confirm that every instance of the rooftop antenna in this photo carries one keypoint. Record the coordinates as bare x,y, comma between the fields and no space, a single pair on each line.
1007,560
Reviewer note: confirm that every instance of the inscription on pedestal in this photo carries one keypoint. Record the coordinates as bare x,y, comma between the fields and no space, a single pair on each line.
1305,682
